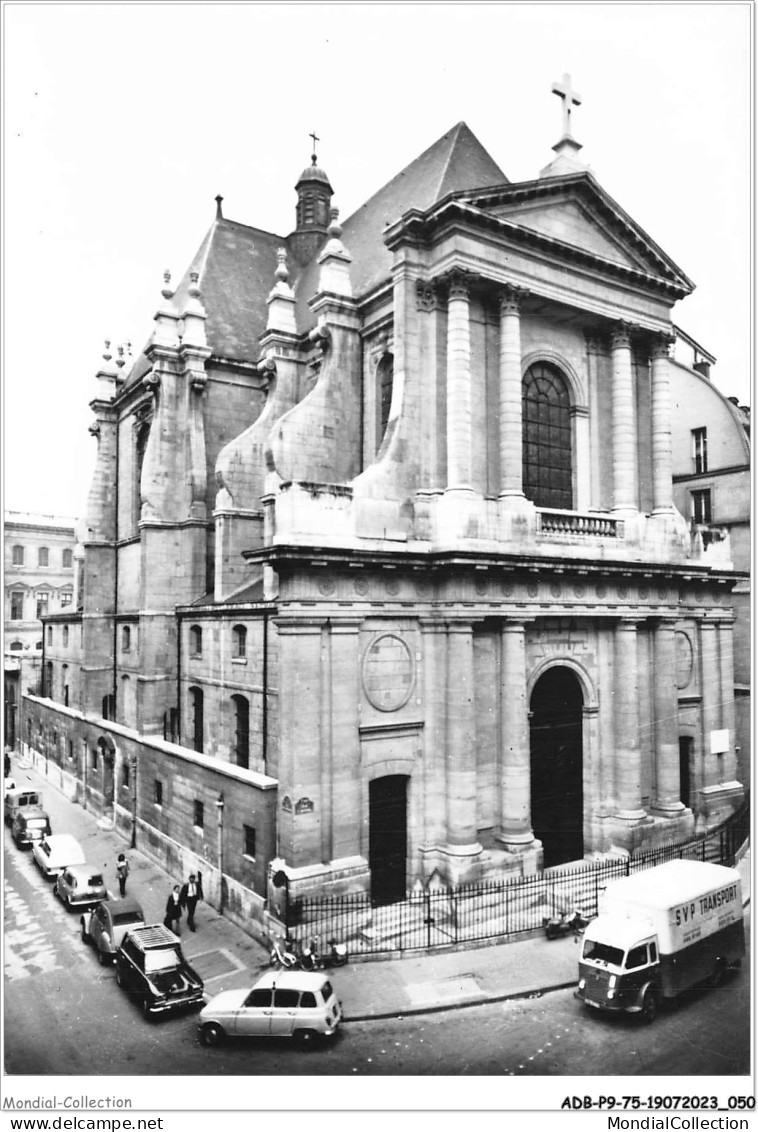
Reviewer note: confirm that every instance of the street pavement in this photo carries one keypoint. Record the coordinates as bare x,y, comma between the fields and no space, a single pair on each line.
227,958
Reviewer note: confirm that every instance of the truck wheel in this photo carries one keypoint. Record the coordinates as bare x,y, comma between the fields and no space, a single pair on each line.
650,1004
717,975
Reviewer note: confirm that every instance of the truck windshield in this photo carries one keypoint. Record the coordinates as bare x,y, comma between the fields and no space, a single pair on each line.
602,952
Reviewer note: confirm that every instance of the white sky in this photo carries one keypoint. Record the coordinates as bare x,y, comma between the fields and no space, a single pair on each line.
122,123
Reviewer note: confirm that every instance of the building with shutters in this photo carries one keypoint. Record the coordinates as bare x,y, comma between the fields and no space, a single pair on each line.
382,570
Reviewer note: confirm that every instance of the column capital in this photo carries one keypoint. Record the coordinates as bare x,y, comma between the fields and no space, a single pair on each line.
511,299
458,284
515,624
621,335
661,345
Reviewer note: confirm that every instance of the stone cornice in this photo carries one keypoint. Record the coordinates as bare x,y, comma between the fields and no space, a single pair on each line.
421,228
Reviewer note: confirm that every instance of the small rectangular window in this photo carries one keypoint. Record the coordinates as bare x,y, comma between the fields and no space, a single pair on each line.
701,507
199,814
17,607
93,758
158,792
249,841
700,449
66,598
67,559
49,634
18,556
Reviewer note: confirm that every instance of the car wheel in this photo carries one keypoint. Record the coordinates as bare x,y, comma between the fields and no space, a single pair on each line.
306,1038
650,1005
103,958
212,1034
717,974
83,932
119,977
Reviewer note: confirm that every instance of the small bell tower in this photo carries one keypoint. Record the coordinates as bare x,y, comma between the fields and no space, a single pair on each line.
314,196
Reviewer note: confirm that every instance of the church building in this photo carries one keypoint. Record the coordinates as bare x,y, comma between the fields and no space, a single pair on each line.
381,572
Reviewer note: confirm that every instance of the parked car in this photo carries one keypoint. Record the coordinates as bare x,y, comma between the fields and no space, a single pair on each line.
16,800
282,1004
29,825
104,925
80,886
55,852
150,965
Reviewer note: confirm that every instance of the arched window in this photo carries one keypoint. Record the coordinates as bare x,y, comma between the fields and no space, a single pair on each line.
64,679
547,437
18,556
43,556
141,434
196,641
239,642
49,679
16,646
126,638
241,730
384,374
196,718
65,636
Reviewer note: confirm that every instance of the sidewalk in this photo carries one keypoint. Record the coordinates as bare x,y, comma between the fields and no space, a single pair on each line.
227,958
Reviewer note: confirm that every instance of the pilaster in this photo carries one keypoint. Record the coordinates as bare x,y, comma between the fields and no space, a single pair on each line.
511,415
623,420
458,386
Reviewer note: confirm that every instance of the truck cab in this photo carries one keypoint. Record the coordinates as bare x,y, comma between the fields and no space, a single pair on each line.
619,966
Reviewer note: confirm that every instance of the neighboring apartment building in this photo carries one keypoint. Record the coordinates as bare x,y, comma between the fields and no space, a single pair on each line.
383,575
711,462
39,579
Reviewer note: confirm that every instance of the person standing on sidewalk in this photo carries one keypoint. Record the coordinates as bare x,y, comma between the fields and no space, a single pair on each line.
191,892
122,872
173,910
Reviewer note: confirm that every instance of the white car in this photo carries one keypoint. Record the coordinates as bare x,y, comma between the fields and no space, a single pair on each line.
282,1004
54,853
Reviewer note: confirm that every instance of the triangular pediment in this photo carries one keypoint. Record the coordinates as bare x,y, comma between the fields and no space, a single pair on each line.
577,213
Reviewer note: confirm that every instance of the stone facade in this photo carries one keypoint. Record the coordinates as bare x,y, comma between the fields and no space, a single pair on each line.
382,546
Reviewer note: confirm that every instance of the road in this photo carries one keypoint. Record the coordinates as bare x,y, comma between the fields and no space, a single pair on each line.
65,1015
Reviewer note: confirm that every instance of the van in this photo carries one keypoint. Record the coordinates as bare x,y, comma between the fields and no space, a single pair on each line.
55,852
30,824
282,1004
16,800
660,932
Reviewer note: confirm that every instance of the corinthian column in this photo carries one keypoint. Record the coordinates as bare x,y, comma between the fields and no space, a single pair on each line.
661,426
515,786
623,430
458,386
627,723
511,457
666,707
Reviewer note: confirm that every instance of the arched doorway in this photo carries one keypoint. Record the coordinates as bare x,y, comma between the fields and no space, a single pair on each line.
388,838
555,740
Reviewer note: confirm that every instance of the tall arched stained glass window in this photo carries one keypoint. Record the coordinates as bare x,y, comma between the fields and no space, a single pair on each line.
547,437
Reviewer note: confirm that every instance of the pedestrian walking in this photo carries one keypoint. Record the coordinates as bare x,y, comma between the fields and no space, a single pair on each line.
174,910
191,892
122,872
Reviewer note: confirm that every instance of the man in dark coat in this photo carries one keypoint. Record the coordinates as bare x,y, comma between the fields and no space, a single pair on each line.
192,891
174,910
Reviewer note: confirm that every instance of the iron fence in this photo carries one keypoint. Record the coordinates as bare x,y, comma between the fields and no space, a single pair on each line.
438,916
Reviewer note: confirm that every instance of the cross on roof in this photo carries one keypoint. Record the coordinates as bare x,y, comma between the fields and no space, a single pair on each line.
570,99
315,139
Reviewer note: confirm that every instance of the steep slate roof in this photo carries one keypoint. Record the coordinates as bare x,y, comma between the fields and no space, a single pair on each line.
236,266
455,163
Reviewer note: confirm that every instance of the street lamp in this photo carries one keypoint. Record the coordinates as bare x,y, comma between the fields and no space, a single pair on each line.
220,850
133,769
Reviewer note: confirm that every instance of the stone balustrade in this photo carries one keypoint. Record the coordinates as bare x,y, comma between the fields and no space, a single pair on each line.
572,523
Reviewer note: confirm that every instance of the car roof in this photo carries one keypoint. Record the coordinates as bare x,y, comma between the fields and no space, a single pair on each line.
84,870
31,812
124,904
292,980
153,935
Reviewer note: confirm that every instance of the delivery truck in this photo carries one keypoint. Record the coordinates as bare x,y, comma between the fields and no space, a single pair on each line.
660,932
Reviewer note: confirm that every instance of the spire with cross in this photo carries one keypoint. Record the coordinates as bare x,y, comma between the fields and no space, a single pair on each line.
570,98
315,139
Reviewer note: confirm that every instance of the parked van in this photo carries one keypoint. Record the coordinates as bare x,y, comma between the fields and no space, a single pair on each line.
16,800
54,853
660,932
30,824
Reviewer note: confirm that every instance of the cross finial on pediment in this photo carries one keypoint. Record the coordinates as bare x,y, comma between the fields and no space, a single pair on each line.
570,99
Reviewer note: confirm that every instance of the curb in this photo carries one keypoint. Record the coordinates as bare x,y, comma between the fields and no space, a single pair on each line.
535,992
